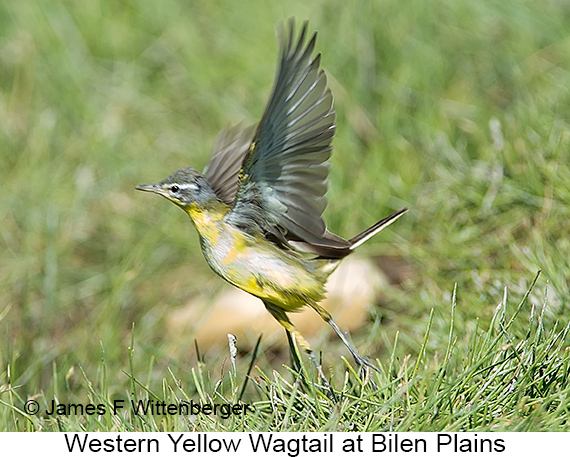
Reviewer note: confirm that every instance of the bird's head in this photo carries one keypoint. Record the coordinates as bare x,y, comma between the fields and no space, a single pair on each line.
184,188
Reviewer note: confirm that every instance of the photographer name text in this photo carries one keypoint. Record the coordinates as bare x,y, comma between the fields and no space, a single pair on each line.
141,407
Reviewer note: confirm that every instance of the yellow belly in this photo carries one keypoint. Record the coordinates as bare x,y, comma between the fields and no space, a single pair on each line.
259,267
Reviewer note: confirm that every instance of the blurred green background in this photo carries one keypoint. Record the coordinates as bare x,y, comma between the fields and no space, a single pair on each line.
458,109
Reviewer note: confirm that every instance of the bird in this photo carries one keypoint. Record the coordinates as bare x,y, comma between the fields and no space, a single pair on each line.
258,206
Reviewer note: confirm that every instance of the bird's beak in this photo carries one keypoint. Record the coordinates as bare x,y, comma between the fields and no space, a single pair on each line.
155,188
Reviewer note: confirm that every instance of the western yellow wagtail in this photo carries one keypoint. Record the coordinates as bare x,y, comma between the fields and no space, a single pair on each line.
258,206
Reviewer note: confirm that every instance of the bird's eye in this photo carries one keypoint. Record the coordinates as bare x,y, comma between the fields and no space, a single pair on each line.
174,189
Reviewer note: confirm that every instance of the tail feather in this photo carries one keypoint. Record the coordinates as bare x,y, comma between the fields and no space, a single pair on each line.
370,232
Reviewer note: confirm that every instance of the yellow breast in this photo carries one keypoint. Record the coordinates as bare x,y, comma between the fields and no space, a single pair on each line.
254,264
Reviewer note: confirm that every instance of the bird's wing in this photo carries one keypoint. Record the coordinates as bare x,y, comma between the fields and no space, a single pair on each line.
222,172
284,176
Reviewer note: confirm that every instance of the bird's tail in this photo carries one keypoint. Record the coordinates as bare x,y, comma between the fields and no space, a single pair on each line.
370,232
328,265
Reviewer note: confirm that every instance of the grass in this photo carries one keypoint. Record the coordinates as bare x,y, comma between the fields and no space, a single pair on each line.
459,111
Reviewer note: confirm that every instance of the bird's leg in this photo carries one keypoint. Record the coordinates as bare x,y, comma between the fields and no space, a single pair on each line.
295,336
360,361
294,352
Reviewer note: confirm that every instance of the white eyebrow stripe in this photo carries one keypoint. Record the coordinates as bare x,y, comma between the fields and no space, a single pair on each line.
187,185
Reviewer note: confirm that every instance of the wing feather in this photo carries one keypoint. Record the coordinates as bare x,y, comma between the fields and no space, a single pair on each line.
284,176
230,149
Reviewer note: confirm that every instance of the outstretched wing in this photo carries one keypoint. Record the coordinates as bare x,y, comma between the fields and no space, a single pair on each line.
222,172
284,176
